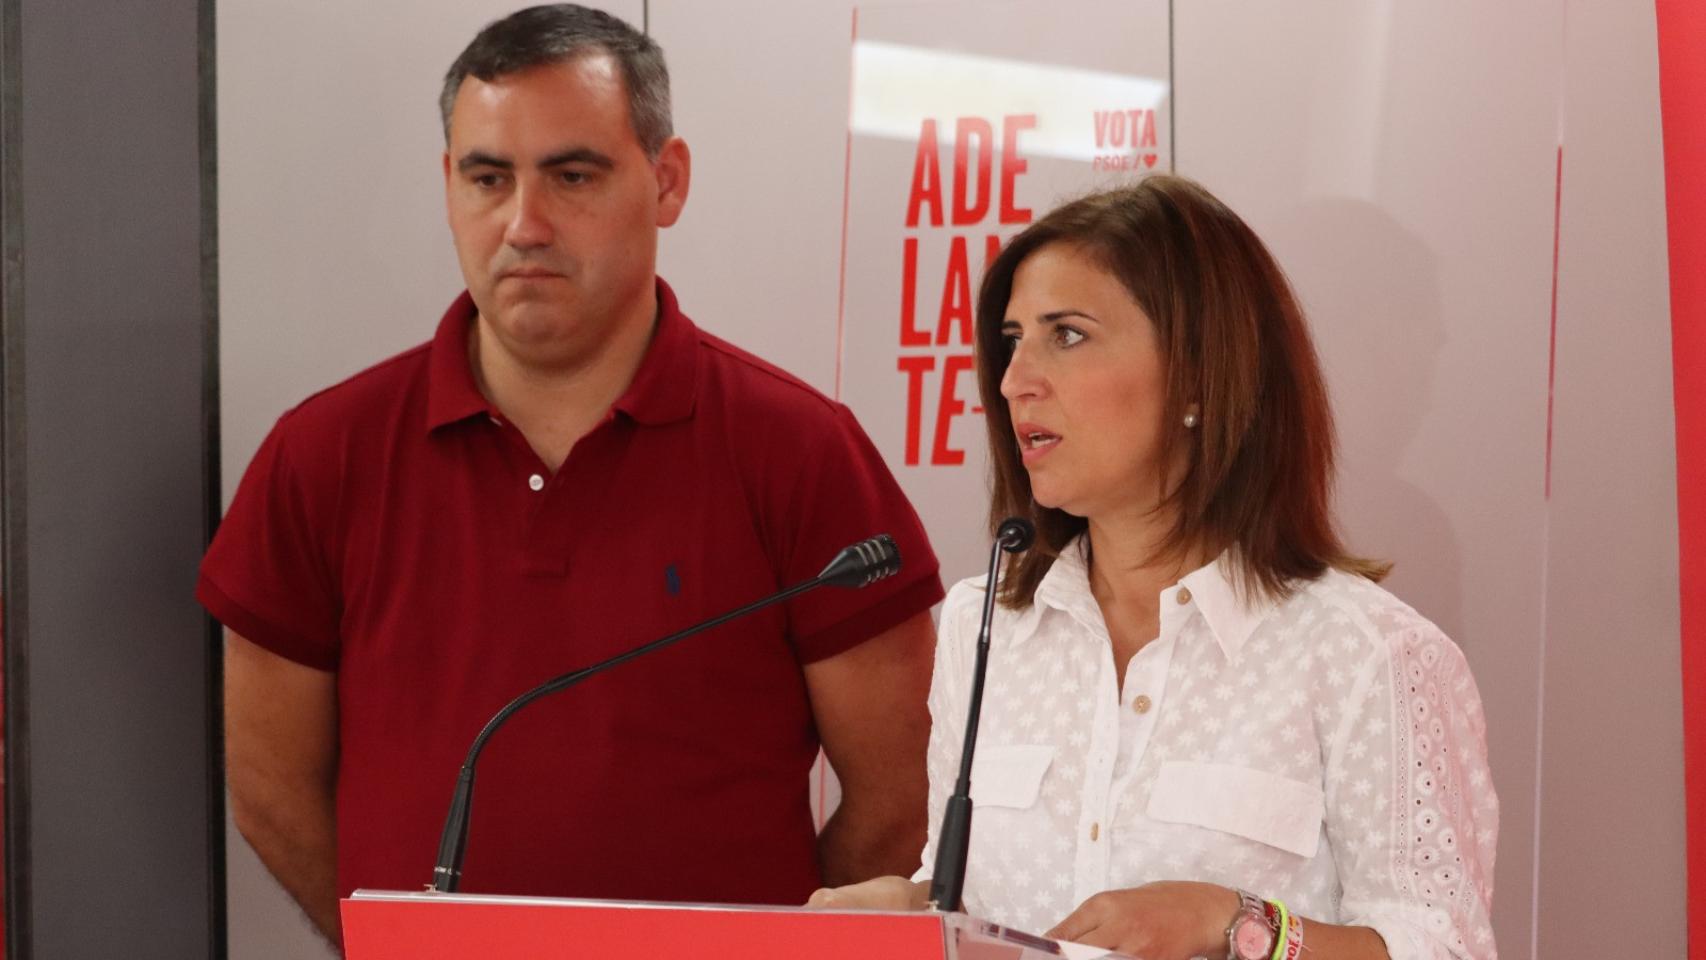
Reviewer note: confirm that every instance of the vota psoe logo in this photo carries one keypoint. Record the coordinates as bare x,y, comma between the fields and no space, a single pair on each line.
1125,140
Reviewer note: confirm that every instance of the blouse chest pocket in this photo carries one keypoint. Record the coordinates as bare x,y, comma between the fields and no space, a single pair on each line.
1009,775
1265,807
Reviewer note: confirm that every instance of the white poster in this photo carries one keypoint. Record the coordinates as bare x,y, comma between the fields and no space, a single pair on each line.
967,122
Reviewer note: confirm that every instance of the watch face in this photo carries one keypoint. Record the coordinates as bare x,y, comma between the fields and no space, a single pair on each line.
1252,940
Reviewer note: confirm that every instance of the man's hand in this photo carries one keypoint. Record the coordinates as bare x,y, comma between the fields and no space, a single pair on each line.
871,714
883,893
281,762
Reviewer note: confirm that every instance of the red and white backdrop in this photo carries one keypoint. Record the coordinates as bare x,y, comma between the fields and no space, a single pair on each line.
967,121
1468,196
1682,75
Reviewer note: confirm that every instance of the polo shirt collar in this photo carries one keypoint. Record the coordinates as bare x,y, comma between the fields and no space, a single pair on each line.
667,382
663,389
1232,619
452,394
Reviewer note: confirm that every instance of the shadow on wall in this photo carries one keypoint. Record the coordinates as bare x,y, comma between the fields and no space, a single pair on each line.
1370,289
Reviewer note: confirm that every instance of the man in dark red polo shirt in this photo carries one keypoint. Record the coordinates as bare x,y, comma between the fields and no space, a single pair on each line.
568,469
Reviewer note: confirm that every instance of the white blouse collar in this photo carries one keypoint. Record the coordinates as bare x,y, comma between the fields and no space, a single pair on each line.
1212,591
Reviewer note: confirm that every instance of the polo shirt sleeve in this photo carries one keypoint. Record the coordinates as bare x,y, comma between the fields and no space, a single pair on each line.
842,494
265,577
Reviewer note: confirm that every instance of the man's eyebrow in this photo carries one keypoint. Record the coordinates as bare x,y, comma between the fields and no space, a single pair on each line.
578,155
478,158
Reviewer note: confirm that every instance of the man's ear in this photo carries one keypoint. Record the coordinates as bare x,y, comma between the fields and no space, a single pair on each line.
447,174
674,168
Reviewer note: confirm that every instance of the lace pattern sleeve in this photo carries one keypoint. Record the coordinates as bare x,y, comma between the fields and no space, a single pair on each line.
1411,811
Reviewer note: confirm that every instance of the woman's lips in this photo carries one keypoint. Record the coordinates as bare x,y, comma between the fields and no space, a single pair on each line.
1035,442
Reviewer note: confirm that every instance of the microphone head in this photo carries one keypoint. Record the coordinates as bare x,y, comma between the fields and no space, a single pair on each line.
863,564
1015,534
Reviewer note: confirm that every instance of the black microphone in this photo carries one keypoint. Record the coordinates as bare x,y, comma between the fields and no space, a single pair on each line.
948,880
859,565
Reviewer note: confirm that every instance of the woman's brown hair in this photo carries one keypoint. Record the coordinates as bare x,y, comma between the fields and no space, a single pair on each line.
1259,473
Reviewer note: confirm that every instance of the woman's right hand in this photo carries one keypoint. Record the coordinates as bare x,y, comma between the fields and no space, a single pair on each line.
882,893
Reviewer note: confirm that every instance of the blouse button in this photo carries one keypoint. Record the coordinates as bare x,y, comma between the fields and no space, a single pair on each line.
536,482
1184,595
1095,831
1142,703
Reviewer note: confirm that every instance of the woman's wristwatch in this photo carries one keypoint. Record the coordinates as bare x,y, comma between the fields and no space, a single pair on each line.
1251,934
1263,930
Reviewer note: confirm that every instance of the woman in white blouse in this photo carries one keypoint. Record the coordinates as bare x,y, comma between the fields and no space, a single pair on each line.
1199,705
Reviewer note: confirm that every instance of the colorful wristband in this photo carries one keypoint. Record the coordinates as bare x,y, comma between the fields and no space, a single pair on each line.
1288,931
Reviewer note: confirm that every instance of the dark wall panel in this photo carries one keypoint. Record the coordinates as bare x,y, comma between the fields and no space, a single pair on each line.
112,480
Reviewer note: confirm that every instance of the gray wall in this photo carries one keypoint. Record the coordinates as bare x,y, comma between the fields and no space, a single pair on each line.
105,482
1611,814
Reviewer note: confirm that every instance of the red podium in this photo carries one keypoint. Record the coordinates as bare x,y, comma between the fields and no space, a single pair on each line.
422,926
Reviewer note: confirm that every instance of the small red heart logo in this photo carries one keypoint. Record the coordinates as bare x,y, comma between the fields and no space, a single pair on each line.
1149,159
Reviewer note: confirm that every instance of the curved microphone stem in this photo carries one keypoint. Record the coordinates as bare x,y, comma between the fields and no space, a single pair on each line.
858,565
947,881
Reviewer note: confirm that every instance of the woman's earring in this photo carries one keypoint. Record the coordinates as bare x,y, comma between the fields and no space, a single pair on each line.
1190,420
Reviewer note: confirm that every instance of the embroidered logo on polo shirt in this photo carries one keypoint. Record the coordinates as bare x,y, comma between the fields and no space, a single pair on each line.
672,580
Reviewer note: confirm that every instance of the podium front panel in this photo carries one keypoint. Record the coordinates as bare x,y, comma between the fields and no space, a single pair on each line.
409,926
435,926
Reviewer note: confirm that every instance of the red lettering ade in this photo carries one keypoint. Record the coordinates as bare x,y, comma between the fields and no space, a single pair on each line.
974,186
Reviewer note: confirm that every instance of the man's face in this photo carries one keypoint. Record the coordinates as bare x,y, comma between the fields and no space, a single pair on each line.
555,207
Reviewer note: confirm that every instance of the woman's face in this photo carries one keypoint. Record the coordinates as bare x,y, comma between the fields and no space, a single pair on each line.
1085,386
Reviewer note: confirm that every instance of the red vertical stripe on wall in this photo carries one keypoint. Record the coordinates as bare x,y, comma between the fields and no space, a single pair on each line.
1682,86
